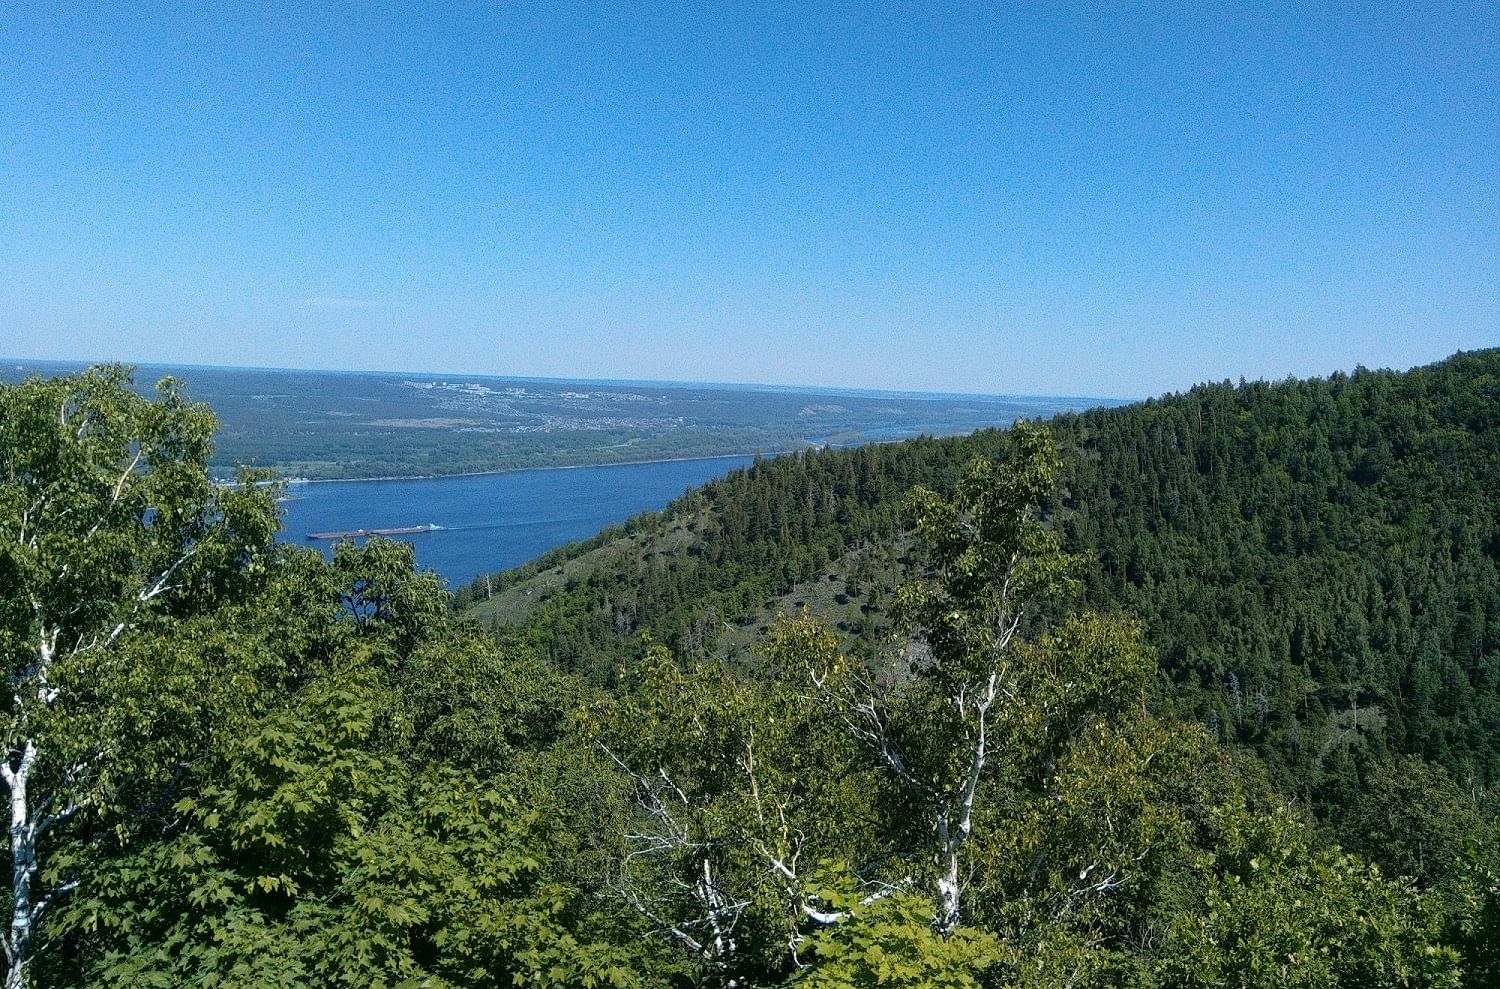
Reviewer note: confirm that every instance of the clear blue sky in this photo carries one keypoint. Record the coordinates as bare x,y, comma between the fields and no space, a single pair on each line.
1107,201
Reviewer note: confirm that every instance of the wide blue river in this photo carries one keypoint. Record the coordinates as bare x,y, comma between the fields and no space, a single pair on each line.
493,521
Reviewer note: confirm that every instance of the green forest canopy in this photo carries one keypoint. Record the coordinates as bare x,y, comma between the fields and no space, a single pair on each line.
1314,561
1195,693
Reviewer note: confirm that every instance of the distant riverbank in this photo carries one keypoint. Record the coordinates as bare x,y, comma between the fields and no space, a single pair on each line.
517,470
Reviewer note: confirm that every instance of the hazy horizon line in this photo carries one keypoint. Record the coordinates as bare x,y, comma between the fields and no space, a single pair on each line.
850,390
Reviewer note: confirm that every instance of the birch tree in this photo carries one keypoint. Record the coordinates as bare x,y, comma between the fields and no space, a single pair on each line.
741,790
109,521
961,692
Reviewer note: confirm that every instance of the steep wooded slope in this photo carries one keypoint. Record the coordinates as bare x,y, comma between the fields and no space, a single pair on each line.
1316,561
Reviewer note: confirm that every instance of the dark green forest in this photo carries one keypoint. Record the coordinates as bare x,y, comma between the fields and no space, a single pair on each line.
1314,562
1198,692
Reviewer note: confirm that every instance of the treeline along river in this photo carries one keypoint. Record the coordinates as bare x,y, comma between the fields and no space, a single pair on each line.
487,522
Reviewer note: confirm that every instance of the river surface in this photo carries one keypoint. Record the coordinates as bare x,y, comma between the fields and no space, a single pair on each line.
494,521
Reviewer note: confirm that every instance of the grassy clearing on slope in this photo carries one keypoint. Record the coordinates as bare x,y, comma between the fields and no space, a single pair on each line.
518,602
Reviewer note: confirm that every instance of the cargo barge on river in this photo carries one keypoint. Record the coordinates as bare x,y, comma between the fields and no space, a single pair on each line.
409,530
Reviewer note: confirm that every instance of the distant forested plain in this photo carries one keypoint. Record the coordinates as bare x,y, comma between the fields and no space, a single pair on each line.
324,425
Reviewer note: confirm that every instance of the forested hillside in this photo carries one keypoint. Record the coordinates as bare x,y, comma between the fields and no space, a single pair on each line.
231,762
1314,562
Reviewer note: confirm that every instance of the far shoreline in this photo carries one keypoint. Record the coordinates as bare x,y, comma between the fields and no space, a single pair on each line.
807,445
614,463
289,481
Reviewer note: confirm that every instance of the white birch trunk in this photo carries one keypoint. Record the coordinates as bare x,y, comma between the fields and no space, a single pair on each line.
23,867
949,891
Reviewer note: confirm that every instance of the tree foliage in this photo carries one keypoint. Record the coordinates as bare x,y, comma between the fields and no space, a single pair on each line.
1070,747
